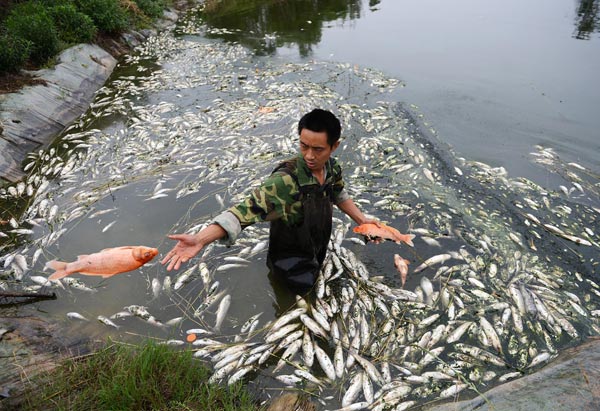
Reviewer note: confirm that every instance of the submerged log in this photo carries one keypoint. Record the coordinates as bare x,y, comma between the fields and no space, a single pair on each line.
16,296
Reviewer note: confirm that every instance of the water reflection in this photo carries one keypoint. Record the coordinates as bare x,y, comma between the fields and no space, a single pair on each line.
587,20
265,25
373,4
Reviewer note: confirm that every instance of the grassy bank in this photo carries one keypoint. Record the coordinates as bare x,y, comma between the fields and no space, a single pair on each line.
126,377
33,32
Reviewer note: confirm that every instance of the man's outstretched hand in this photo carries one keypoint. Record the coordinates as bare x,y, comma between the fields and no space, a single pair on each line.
187,247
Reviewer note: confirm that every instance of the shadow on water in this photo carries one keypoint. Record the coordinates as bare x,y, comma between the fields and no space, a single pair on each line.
266,25
587,21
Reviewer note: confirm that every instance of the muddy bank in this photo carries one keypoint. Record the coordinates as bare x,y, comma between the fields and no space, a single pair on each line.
30,344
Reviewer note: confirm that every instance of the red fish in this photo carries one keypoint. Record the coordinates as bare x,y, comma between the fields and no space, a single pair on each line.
385,232
402,267
105,263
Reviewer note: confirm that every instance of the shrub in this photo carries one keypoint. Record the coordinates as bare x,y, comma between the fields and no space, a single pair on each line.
73,26
108,15
30,21
14,52
151,8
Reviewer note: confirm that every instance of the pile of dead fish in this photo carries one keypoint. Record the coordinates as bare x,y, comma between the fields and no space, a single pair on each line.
472,325
502,276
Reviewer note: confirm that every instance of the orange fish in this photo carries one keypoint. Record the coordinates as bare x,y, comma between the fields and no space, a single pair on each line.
105,263
385,232
402,267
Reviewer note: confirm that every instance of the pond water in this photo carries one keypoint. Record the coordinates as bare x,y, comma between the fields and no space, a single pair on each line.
503,273
493,78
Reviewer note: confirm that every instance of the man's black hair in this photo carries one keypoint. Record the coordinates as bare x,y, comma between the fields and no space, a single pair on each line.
320,120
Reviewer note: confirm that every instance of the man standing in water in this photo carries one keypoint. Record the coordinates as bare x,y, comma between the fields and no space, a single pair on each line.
297,199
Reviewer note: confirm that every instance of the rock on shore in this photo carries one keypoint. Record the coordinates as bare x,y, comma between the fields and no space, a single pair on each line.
571,382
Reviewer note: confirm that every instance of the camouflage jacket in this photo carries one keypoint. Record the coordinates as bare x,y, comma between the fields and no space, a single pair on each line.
278,197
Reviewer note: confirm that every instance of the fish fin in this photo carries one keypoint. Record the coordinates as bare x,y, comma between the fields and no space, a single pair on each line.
408,239
59,268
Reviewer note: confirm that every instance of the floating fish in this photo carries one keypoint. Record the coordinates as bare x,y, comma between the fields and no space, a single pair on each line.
76,316
384,232
401,265
108,322
105,263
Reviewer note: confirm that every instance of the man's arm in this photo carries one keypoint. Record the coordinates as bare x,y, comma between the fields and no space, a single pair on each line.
266,203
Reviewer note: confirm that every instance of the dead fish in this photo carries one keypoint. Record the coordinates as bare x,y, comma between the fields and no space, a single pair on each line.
401,265
226,267
108,322
105,263
436,259
121,314
78,285
384,232
38,279
222,311
156,287
76,316
108,226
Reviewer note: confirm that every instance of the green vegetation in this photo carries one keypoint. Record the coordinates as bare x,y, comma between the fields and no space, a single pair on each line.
34,31
73,26
108,15
14,51
31,21
151,8
124,377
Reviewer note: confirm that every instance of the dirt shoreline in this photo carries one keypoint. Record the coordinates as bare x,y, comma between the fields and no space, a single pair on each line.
30,344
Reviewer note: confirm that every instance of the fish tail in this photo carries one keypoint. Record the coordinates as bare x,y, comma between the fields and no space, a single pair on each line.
60,268
408,239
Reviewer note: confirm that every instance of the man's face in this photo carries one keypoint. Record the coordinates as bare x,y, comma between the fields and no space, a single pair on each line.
315,149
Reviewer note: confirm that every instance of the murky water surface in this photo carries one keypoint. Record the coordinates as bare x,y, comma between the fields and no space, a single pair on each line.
502,276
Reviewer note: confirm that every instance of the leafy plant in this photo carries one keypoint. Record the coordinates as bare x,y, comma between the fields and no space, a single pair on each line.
31,22
14,52
73,26
108,15
151,8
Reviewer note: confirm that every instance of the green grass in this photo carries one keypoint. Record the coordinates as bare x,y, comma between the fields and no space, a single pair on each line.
125,377
34,31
